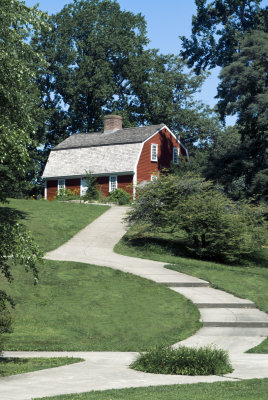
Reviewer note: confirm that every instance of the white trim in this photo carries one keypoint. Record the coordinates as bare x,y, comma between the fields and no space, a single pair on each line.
110,182
63,185
178,140
135,177
45,192
165,127
55,178
154,153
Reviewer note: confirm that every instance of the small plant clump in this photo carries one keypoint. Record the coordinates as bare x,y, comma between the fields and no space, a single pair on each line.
120,197
184,361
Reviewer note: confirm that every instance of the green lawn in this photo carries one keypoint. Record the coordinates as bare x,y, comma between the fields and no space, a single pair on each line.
83,307
52,222
255,389
248,280
13,366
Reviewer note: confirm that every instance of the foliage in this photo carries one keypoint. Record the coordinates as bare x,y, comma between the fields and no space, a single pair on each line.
17,247
92,192
65,194
217,30
19,105
214,225
226,163
20,115
98,65
218,228
13,366
243,91
120,197
184,361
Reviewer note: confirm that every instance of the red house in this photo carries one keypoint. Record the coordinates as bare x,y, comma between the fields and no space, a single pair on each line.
119,158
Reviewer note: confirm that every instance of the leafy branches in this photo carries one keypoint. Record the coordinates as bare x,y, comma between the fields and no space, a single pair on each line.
215,226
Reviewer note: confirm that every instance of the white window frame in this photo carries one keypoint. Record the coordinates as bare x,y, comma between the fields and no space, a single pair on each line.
176,155
154,178
61,185
154,152
112,183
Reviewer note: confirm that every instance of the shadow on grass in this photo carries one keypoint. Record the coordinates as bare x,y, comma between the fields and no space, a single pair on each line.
176,246
11,216
173,247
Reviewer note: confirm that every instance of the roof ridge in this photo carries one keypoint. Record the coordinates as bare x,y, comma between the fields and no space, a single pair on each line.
123,129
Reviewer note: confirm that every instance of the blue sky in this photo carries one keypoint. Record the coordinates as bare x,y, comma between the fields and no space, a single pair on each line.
166,21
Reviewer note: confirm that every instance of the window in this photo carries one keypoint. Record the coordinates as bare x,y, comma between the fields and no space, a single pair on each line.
154,152
176,153
112,183
61,184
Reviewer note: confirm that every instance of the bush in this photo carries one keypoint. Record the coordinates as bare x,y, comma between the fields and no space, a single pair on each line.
67,194
120,197
218,228
184,361
215,227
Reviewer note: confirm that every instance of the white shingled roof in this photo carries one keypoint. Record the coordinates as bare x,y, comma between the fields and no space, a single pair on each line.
97,160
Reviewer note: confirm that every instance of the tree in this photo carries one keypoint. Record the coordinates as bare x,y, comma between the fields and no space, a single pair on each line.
215,227
98,64
218,29
19,95
19,100
243,91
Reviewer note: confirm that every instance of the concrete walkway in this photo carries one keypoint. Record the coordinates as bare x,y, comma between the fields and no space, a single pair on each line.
228,322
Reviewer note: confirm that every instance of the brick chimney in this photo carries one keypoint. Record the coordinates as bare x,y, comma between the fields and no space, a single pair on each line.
112,123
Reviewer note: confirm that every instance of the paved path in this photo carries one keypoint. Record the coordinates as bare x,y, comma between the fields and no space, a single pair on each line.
228,322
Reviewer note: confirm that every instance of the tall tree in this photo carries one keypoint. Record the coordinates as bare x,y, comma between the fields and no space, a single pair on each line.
99,64
95,51
19,101
243,91
218,28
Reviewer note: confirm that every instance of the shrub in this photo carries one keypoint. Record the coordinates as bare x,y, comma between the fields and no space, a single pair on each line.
218,228
92,192
184,361
215,226
67,194
120,197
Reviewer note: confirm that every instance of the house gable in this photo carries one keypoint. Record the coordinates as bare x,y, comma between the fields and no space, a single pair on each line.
165,141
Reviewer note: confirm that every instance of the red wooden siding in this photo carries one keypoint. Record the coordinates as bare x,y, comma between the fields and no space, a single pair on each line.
103,185
52,187
165,142
125,182
73,185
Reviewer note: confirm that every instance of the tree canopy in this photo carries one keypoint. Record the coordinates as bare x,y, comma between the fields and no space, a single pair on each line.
99,64
243,91
218,28
19,100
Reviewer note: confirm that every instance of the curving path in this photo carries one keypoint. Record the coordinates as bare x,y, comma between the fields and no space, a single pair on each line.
228,322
